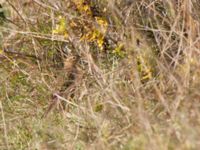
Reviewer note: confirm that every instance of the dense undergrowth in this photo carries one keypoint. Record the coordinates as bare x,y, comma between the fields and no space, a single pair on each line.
100,74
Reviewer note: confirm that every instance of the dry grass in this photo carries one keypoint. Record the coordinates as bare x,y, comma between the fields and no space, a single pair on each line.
111,74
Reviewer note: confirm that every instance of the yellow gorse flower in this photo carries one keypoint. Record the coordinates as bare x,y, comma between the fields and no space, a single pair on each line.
92,33
1,52
97,34
82,7
94,36
118,50
102,23
61,27
145,71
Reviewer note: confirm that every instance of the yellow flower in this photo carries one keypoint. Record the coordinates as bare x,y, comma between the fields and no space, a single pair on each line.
145,71
118,50
82,7
100,41
1,51
61,27
102,23
94,36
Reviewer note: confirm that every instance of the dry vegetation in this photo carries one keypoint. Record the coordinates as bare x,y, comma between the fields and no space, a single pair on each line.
100,74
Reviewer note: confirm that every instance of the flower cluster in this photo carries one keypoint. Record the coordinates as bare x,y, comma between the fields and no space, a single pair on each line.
93,29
